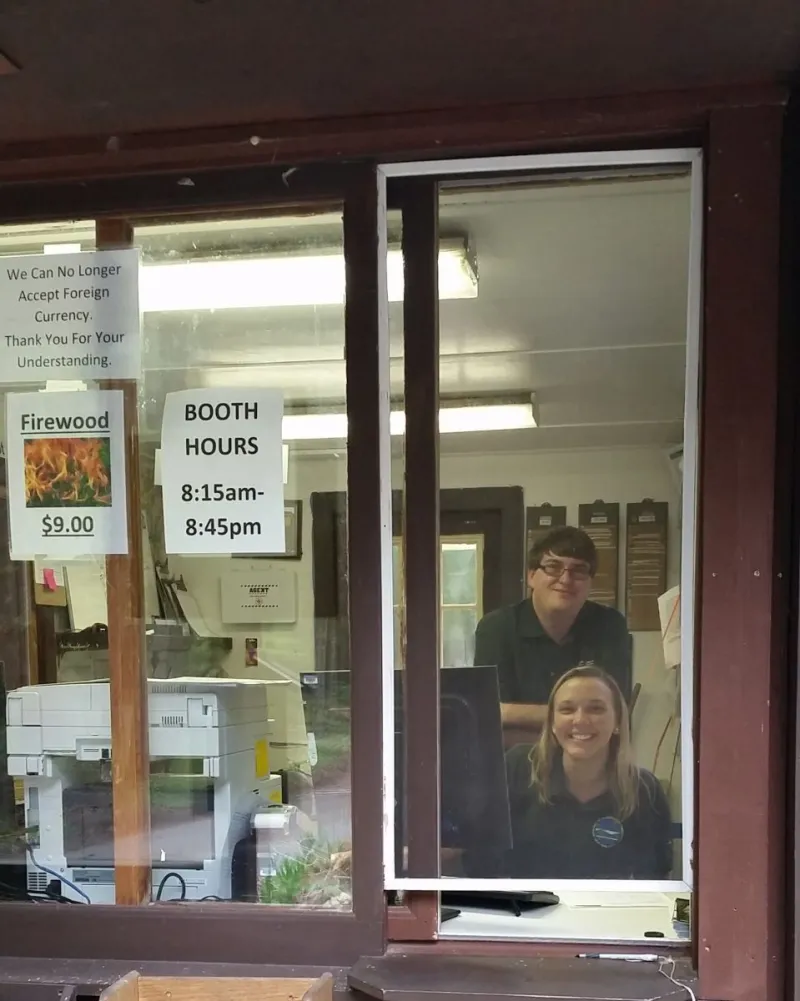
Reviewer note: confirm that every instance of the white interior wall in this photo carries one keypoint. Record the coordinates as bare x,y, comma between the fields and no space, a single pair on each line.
561,478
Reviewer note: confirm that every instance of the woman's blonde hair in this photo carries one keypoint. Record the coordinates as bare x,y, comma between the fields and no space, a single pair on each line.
623,776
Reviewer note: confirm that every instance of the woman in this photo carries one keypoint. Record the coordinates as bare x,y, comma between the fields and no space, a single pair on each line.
580,808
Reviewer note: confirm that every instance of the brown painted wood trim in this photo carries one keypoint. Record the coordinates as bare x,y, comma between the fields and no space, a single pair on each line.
416,919
130,731
740,839
667,117
510,503
430,973
362,210
156,197
420,215
89,977
790,268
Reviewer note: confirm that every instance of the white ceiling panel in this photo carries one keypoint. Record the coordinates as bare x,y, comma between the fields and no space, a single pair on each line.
581,300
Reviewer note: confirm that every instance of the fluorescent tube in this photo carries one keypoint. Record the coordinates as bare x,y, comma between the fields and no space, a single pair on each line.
289,280
452,420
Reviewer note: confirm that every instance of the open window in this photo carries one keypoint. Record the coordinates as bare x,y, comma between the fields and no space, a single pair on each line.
550,344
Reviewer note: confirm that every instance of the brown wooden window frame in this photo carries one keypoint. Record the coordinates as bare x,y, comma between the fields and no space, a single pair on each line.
743,625
237,933
742,523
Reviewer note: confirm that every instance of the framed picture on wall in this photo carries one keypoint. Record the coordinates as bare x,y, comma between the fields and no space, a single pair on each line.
293,525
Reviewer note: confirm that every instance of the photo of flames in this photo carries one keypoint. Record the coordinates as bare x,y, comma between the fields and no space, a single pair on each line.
67,472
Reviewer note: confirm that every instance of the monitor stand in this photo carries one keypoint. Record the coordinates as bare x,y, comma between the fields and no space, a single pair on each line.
500,900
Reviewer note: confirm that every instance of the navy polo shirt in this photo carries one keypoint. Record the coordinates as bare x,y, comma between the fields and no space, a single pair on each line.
529,662
567,839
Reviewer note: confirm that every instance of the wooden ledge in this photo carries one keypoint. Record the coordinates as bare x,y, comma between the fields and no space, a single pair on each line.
89,977
425,978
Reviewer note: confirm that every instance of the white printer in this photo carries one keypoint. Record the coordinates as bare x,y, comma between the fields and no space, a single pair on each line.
209,756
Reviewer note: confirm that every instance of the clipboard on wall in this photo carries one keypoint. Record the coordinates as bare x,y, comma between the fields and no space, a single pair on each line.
540,521
600,521
645,563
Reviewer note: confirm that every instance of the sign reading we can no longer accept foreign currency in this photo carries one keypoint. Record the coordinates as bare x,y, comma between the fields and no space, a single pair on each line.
70,316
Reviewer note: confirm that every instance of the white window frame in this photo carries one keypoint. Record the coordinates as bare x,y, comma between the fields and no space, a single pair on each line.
507,165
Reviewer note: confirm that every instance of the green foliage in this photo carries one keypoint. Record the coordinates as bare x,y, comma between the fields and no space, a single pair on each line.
286,885
16,837
308,878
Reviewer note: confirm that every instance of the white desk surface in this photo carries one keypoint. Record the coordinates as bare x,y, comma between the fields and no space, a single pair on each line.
579,917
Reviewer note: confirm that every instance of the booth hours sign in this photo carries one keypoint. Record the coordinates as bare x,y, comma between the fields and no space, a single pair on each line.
222,471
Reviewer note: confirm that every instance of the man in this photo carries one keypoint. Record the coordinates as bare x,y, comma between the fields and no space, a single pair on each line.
535,641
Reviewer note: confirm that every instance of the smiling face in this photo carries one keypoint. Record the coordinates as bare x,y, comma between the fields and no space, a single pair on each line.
584,718
559,585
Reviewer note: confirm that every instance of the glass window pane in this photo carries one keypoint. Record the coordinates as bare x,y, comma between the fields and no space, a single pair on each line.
397,572
458,636
579,403
260,809
562,365
45,846
460,584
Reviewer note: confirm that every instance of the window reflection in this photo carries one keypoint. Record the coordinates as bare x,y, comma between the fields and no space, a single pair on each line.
254,303
566,764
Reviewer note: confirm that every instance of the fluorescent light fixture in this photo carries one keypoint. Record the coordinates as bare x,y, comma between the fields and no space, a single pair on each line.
64,386
285,280
62,248
454,418
295,279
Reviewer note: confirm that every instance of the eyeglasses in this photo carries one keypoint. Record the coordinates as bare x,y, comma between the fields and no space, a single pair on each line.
556,570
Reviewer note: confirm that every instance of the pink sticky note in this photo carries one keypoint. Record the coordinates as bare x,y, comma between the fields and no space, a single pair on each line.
50,580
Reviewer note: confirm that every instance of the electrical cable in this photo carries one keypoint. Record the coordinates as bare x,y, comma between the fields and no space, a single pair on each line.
662,738
671,976
56,875
674,760
671,717
163,882
9,892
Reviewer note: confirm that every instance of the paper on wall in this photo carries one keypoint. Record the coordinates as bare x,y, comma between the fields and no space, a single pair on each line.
194,616
86,593
87,590
669,612
43,569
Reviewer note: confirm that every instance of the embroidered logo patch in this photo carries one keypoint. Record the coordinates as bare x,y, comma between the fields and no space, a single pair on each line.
608,831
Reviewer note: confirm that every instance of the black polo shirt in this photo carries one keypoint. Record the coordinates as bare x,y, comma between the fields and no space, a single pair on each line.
567,839
529,661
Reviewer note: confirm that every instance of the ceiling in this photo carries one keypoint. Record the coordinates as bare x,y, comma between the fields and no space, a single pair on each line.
112,67
582,300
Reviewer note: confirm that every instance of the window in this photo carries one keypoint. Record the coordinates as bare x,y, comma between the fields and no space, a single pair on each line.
245,768
566,369
289,794
461,597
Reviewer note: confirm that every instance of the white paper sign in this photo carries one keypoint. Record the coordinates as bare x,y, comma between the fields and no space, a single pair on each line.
70,316
249,596
65,468
222,471
669,612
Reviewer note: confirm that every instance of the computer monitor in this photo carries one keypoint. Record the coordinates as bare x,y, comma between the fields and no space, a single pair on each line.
475,815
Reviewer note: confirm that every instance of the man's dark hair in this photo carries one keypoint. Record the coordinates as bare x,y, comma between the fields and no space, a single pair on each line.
571,542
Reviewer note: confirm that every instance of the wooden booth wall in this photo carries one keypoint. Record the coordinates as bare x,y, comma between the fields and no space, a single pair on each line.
100,122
